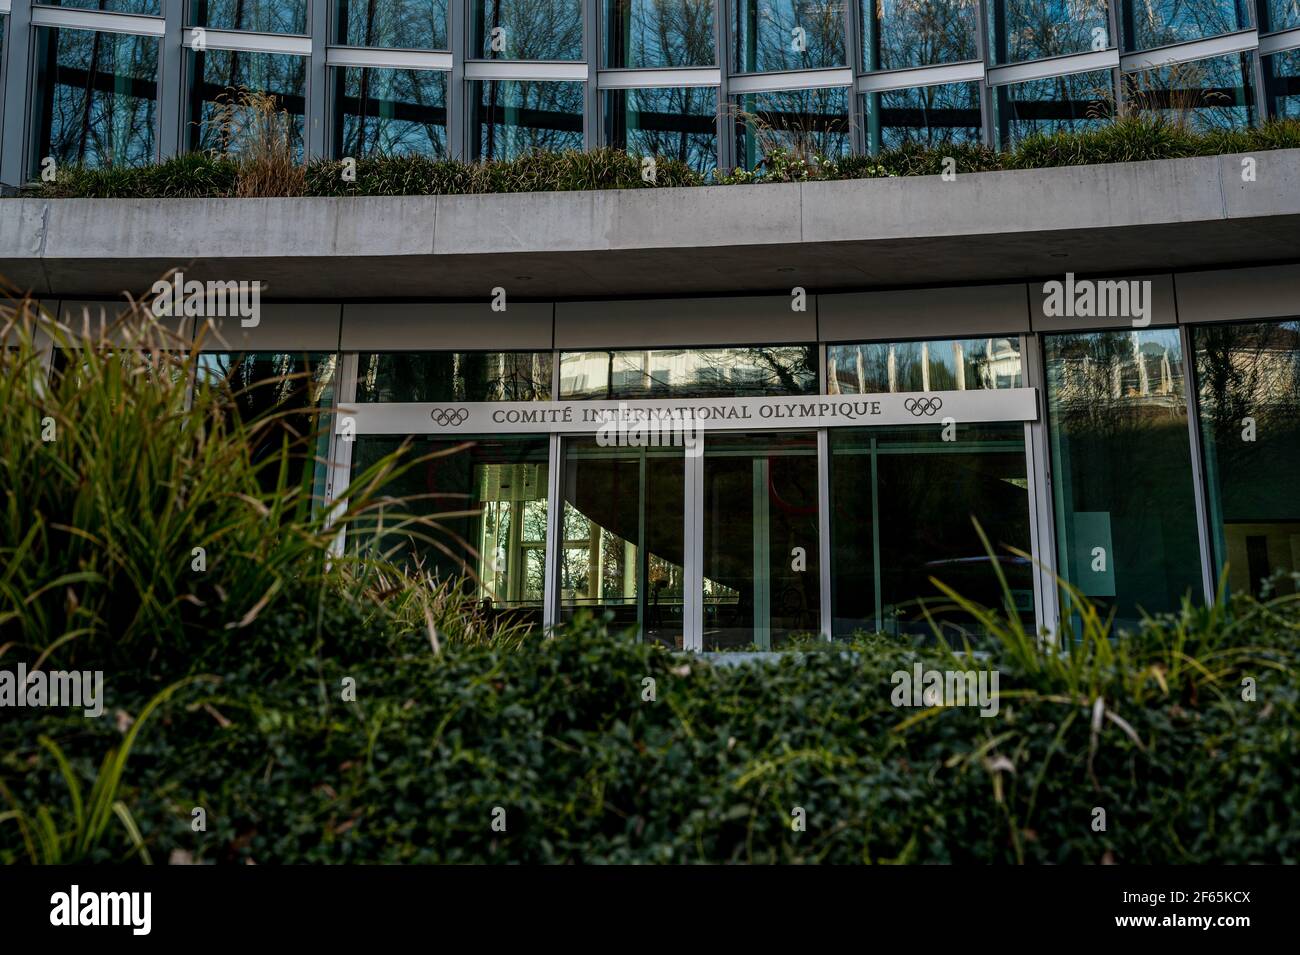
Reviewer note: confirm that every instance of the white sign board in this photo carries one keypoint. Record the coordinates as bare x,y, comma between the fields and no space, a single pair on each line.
704,414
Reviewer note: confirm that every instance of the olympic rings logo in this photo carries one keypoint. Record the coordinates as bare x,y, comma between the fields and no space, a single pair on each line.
923,406
448,417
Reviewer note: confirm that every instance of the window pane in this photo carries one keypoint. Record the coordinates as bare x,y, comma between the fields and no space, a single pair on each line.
760,505
217,75
961,365
149,7
624,525
1206,94
1282,79
806,123
682,373
1058,104
1125,515
904,33
527,29
1032,29
787,35
886,483
930,116
393,24
1149,23
453,376
382,112
1279,15
675,123
97,94
658,33
1249,382
261,16
265,385
501,543
513,118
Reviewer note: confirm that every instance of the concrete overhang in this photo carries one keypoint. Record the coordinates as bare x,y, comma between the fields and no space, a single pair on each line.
859,234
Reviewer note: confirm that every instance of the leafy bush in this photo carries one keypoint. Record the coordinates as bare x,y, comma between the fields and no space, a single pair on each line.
263,171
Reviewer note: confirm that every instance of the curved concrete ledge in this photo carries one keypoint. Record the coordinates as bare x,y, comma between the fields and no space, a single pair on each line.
856,234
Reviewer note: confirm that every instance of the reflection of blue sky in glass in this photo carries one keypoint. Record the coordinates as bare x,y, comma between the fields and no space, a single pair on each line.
1056,104
787,35
382,112
514,118
658,33
261,16
109,122
675,123
392,24
1151,23
805,123
527,29
1032,29
897,34
221,71
1282,77
929,116
1279,15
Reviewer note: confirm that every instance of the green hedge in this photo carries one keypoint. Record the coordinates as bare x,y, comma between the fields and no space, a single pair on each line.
560,737
1125,140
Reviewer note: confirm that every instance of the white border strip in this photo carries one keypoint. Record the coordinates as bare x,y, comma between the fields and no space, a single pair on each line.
63,18
1053,66
1187,52
654,79
793,80
524,70
1279,42
244,42
388,59
921,76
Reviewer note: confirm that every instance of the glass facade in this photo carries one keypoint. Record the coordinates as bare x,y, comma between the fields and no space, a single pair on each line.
953,365
713,86
689,373
453,376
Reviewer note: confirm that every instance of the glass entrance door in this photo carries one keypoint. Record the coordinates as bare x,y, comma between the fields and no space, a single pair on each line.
761,575
623,530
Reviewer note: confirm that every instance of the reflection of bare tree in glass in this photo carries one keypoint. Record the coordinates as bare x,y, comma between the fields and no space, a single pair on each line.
1155,23
765,37
923,32
1208,94
101,104
1030,29
659,33
805,124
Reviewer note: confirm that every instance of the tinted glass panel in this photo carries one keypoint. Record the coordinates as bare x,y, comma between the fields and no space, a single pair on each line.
1279,15
1282,79
390,112
487,502
1032,29
1058,104
623,531
676,123
902,33
1149,23
1125,514
1248,379
962,365
217,75
393,24
150,7
787,35
930,115
261,16
513,119
1207,94
762,584
902,503
453,376
97,94
806,123
527,29
657,33
689,373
